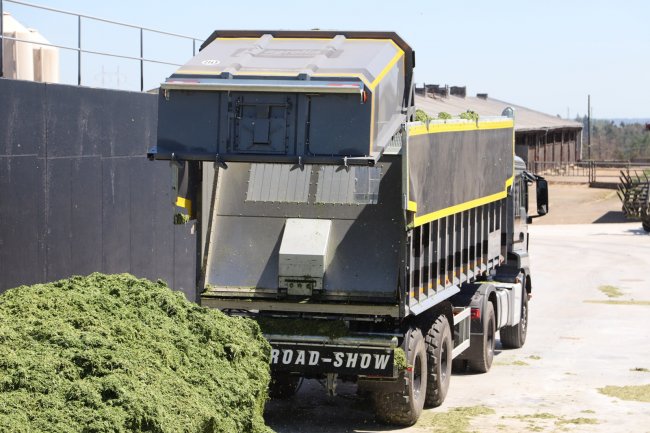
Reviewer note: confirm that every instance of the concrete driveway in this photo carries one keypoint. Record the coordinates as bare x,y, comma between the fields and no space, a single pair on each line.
579,340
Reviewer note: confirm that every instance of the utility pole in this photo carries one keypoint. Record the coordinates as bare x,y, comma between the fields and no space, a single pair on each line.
589,127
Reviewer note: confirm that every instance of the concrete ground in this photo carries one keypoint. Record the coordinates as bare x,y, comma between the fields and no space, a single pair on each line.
577,342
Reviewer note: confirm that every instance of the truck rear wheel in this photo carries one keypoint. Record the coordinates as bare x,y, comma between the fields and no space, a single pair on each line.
483,361
283,385
405,406
439,347
514,337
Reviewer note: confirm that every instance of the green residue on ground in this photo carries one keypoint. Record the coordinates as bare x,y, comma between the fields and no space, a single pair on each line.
538,415
113,353
324,328
630,392
400,359
611,291
580,420
535,357
613,302
455,420
534,420
640,369
517,362
587,411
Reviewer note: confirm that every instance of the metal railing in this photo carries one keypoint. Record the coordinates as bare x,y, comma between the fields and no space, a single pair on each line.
594,172
555,168
80,50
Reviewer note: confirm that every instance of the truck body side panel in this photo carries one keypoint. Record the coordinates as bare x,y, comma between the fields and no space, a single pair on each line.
457,232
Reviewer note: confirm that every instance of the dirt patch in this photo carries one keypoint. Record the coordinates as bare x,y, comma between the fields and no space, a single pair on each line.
631,392
580,204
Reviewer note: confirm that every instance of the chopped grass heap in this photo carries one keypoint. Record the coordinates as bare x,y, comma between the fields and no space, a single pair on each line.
113,353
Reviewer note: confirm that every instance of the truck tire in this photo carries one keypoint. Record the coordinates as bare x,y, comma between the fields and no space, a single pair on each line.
283,385
646,226
483,360
514,337
439,347
405,406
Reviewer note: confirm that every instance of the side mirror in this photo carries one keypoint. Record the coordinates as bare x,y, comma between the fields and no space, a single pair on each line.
542,196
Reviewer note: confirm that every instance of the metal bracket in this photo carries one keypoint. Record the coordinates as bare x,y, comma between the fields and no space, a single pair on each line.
331,384
218,162
174,161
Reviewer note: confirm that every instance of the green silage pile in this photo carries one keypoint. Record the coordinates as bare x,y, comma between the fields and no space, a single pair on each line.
113,353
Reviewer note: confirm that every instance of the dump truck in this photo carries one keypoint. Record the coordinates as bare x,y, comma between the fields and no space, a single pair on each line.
370,247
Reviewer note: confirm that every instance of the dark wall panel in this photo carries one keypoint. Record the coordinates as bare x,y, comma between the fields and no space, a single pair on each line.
116,215
142,202
77,194
86,210
22,118
22,221
159,219
59,219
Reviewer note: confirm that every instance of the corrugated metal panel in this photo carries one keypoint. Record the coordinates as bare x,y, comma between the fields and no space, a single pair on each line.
354,185
278,183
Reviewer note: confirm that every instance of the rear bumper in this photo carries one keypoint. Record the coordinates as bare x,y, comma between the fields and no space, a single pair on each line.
361,356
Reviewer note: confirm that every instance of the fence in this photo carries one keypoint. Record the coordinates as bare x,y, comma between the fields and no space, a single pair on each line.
596,173
80,18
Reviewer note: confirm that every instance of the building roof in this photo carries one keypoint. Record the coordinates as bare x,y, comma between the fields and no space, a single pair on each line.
525,118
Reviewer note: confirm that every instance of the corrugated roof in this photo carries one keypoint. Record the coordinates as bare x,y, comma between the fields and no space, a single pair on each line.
525,118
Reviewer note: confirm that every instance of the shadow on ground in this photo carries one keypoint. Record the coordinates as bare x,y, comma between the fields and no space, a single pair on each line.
312,410
612,217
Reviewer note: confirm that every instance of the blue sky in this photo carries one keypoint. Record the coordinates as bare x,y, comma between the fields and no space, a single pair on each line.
546,55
